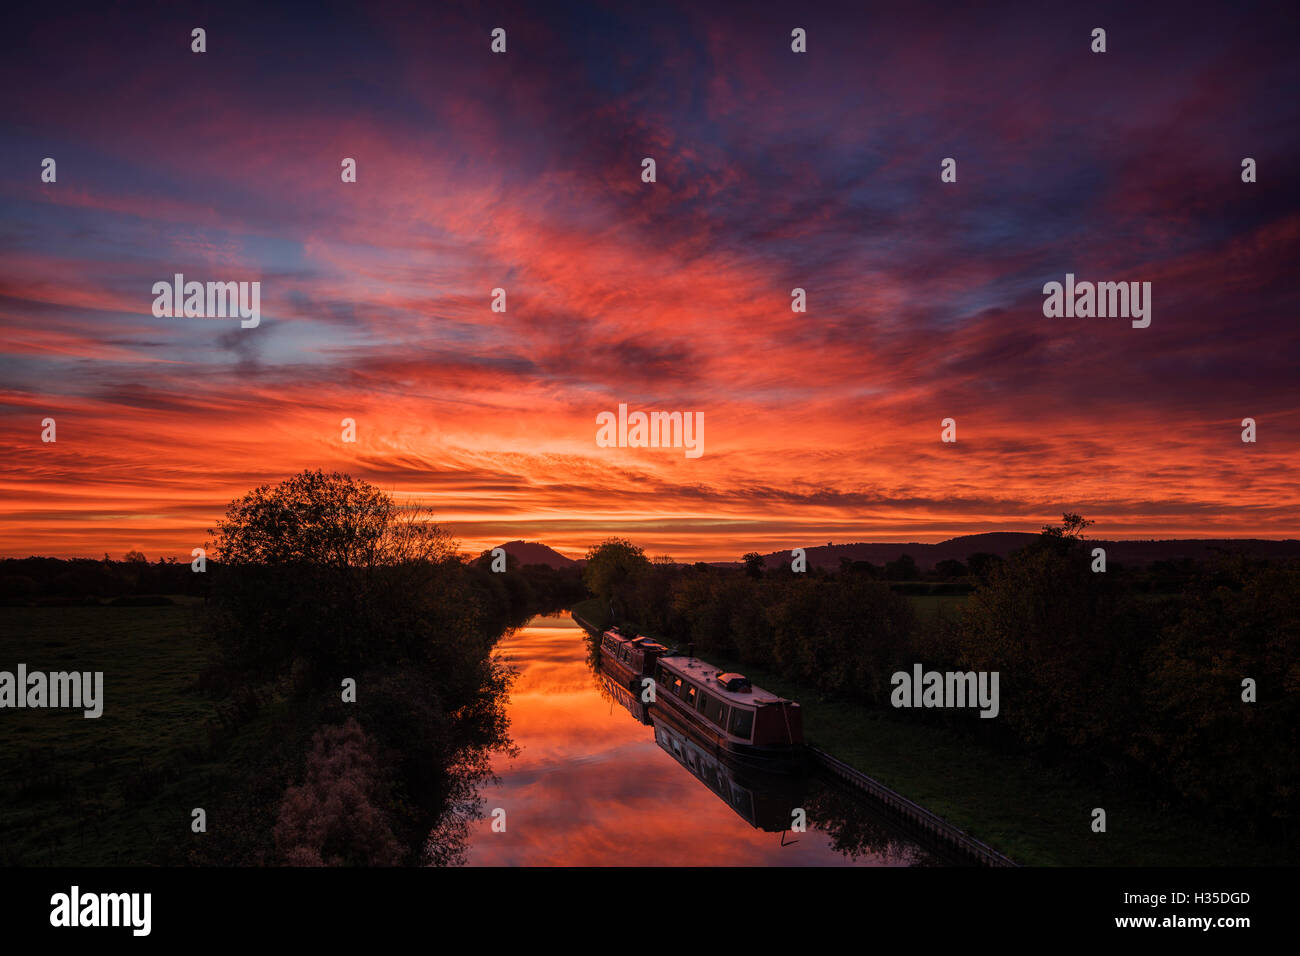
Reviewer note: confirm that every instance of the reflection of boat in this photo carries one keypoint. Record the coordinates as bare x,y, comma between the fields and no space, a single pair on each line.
627,698
766,801
737,720
628,659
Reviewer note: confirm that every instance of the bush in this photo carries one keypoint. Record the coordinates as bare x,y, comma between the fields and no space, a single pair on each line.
335,817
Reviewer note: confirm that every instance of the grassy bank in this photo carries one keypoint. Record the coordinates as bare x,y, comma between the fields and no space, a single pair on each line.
117,789
1034,815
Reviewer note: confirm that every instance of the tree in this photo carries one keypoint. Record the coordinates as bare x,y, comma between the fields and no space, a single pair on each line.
611,568
1072,527
845,636
327,568
753,564
904,569
1067,537
1199,735
1068,639
981,563
861,568
135,557
327,520
950,569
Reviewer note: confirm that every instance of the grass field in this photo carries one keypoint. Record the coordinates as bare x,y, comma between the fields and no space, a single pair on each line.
117,789
1034,815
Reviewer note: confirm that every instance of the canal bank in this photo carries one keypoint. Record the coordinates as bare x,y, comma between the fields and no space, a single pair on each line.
928,828
1033,814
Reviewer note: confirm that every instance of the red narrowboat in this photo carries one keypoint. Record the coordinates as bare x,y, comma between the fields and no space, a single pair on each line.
739,721
628,660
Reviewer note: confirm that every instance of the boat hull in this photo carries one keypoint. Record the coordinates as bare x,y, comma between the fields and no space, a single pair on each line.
620,673
780,759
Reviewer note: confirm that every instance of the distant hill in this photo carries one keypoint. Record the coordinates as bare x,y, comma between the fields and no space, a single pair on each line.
1003,543
534,552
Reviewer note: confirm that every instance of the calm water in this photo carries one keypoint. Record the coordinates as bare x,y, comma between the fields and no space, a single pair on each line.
594,785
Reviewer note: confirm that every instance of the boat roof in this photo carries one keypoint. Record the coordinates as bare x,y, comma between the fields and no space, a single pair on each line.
638,641
703,673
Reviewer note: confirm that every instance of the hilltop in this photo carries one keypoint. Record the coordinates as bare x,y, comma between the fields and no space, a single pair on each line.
534,552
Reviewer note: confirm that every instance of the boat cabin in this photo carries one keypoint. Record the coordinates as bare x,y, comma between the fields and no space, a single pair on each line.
634,654
728,704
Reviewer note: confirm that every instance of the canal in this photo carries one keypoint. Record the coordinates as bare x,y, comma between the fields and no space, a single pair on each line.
596,783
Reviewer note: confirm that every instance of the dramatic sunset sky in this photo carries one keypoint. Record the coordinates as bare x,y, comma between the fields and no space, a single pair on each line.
776,170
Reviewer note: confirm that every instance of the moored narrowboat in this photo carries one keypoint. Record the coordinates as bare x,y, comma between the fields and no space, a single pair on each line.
628,660
741,722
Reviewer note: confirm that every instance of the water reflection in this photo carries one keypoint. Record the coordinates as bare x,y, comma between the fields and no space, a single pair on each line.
764,801
597,780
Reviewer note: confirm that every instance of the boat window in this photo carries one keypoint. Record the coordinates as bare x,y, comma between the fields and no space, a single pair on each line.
742,723
689,694
713,709
677,686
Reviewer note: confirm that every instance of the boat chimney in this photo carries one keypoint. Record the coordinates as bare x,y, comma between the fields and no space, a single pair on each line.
690,650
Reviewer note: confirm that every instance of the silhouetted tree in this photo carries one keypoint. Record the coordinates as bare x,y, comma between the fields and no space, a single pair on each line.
981,563
327,568
903,569
950,568
611,568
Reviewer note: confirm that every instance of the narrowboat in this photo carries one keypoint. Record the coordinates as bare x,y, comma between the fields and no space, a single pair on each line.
628,660
737,720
